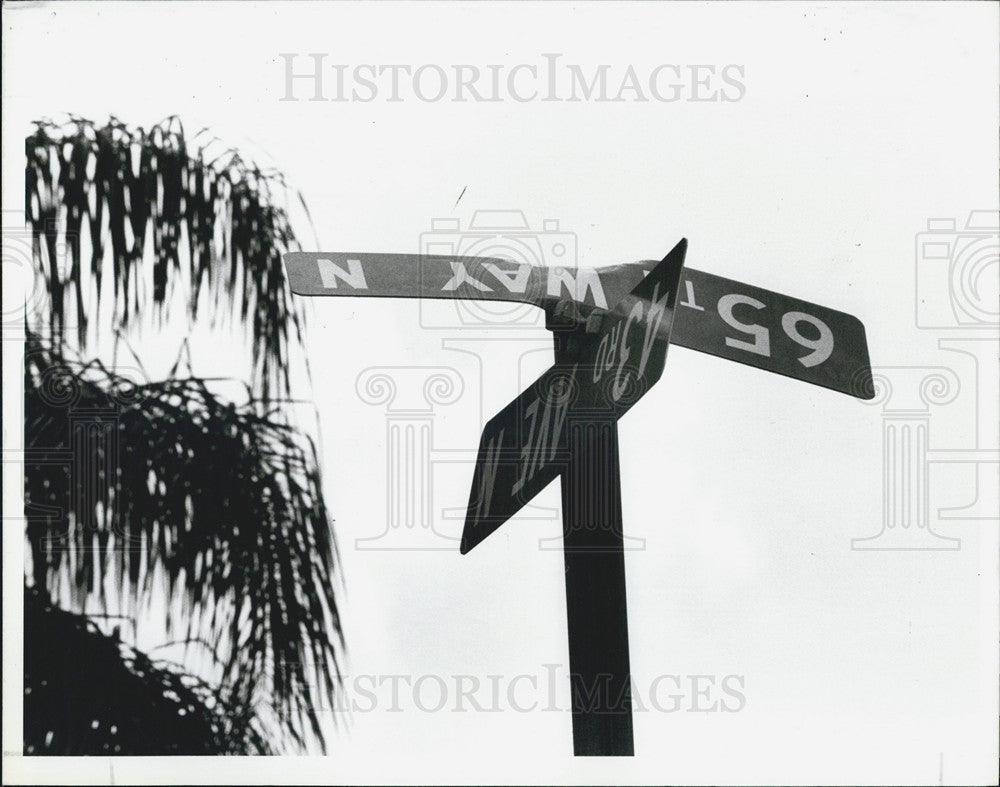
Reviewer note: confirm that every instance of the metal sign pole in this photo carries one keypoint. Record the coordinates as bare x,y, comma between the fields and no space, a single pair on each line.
595,593
593,551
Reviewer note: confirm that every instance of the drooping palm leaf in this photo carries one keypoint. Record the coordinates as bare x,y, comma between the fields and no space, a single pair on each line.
89,693
217,216
127,482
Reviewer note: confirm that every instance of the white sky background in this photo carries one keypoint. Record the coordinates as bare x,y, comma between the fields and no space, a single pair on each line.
859,124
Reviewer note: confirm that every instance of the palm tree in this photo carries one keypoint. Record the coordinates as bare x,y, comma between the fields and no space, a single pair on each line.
94,694
166,499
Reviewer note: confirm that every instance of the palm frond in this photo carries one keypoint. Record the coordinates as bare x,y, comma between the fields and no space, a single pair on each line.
129,482
212,222
89,693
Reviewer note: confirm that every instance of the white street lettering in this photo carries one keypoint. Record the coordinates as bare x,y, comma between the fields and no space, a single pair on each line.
461,276
514,280
657,309
761,345
607,351
530,412
489,476
577,283
544,432
690,302
329,272
619,385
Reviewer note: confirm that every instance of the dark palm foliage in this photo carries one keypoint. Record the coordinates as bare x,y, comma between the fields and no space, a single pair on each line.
140,189
136,491
93,693
226,500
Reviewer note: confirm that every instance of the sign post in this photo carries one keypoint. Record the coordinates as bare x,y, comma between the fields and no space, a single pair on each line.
567,424
611,328
596,609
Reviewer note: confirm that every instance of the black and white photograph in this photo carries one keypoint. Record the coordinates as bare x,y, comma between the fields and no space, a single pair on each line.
501,392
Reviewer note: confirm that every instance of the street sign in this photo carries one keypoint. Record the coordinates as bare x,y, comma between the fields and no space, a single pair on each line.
427,276
612,327
606,361
773,332
717,316
566,424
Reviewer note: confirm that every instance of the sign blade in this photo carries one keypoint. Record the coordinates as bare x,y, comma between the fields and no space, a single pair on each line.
605,370
424,276
774,332
761,328
718,316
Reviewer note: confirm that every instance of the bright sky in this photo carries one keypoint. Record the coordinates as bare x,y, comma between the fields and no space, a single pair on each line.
859,124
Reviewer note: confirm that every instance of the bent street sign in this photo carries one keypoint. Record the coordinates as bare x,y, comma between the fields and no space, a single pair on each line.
612,327
622,355
773,332
717,316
